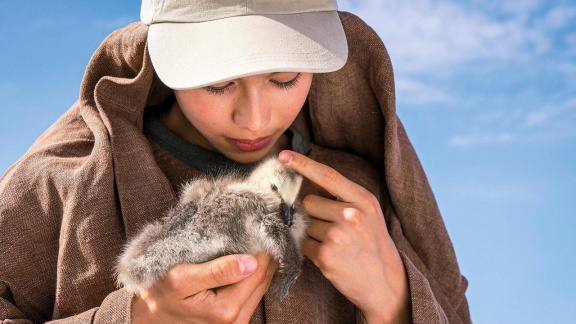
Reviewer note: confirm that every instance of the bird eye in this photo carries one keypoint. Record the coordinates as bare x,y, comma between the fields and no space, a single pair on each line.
274,188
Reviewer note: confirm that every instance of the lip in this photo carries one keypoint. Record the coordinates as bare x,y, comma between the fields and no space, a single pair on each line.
250,145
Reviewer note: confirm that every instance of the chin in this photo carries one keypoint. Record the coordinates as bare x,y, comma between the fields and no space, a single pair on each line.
249,157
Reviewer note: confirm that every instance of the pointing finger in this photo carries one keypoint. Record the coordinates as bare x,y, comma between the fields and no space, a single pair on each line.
323,176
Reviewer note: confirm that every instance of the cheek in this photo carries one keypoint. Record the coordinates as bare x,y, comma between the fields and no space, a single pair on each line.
200,109
294,100
286,110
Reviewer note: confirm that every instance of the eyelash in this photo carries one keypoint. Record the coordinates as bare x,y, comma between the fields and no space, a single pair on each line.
218,90
288,84
282,85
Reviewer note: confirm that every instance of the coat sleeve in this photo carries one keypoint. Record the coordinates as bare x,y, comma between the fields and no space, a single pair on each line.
57,257
90,181
424,307
10,314
114,309
30,266
30,262
437,287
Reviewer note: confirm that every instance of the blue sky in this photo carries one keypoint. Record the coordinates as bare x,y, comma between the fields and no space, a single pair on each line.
485,88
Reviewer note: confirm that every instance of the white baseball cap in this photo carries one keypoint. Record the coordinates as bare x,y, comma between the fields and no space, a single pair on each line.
194,43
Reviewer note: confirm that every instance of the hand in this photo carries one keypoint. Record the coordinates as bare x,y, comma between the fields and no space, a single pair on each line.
188,293
349,242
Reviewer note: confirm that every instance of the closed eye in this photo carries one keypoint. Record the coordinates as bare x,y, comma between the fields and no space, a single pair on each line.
287,84
217,89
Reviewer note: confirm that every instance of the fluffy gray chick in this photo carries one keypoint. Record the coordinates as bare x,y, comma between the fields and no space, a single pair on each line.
214,217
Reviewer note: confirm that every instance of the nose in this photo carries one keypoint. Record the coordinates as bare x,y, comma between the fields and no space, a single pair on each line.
251,113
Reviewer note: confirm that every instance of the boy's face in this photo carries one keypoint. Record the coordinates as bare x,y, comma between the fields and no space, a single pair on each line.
243,118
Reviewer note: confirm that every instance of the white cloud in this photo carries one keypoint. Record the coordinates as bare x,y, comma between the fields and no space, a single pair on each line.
516,8
559,17
570,41
519,46
424,35
496,138
445,36
482,138
414,92
551,113
549,123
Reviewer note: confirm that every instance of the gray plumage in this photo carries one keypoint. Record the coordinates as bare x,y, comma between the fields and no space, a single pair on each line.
230,214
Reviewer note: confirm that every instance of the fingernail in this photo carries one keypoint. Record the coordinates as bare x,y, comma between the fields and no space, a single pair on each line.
285,157
247,265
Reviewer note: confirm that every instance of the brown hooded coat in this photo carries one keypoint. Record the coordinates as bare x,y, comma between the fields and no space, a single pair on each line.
93,179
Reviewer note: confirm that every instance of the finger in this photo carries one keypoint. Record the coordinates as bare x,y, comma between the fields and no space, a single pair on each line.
310,250
323,192
325,209
324,176
242,290
219,272
317,229
256,297
228,301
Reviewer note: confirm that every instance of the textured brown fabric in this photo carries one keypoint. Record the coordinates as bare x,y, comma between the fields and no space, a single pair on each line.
93,179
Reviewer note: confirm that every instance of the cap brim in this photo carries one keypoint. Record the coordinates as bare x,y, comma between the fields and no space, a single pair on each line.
192,55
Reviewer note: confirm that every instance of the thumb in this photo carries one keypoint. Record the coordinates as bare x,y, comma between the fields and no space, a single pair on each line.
222,271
